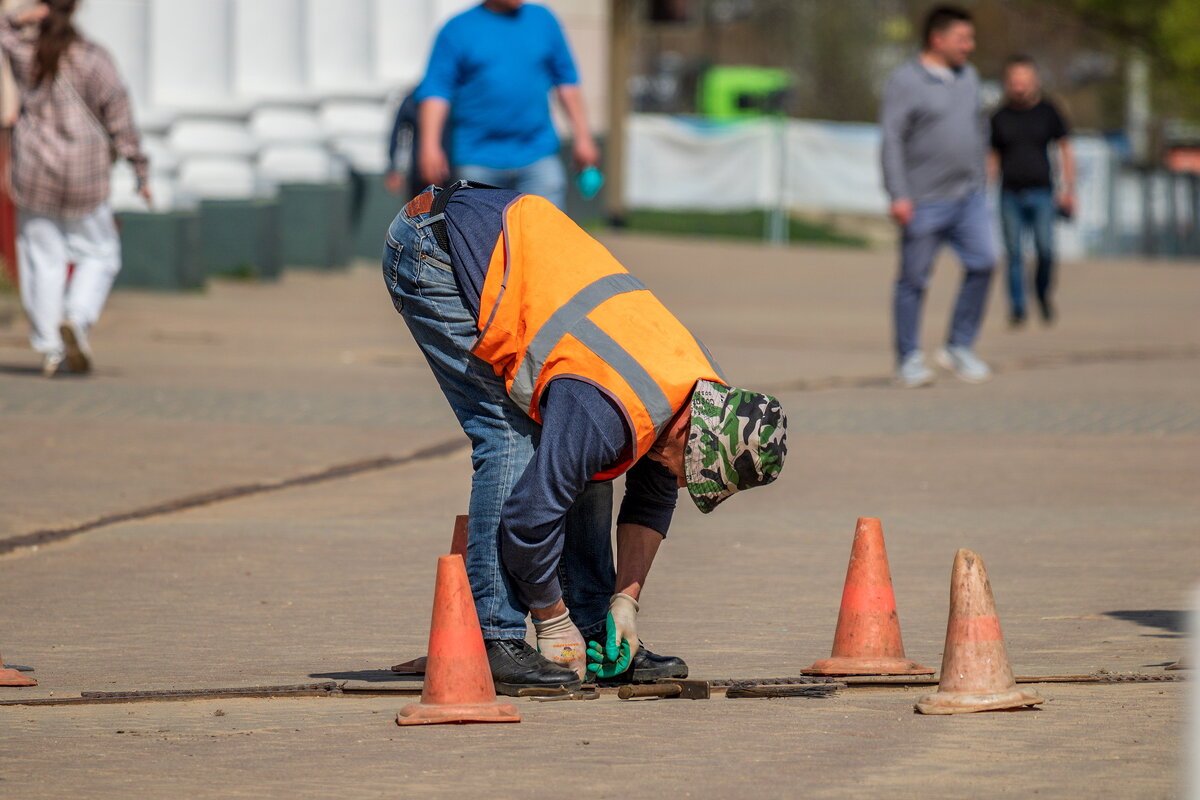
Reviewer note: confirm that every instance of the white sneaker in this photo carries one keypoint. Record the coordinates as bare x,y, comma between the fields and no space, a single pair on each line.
50,364
79,352
963,362
913,371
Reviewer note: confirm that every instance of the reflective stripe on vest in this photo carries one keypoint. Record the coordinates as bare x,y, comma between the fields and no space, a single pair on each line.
567,320
627,367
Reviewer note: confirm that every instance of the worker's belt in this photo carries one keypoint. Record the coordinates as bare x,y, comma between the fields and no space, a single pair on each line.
434,203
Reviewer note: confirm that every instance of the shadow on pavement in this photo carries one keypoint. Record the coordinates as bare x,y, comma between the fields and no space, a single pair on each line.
21,369
369,675
1171,621
35,371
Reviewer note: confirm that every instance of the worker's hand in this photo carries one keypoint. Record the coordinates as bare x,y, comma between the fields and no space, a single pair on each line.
393,182
902,211
598,665
561,642
147,195
622,642
584,152
622,625
434,166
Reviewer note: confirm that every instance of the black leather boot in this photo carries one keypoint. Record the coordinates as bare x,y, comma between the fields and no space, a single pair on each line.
519,670
648,667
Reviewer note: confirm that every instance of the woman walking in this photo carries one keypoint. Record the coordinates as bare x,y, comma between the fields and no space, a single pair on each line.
75,120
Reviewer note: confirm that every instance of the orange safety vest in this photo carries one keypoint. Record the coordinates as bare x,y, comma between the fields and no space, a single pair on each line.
555,303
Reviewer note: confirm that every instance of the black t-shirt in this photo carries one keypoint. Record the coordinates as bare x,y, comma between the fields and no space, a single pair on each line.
1021,136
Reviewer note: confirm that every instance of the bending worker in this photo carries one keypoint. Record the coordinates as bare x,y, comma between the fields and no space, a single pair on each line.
565,372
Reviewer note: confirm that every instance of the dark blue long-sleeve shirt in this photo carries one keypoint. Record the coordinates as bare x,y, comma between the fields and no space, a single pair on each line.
583,431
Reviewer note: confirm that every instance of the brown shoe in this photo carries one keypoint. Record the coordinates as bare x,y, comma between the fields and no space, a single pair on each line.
79,354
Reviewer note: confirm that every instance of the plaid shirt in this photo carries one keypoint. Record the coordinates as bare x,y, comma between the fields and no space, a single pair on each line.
61,160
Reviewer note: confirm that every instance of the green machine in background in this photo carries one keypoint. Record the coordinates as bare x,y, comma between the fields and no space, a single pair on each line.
730,93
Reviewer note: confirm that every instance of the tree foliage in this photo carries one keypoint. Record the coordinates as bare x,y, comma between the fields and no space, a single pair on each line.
1165,31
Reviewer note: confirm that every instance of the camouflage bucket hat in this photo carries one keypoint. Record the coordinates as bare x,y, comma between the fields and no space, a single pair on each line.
737,440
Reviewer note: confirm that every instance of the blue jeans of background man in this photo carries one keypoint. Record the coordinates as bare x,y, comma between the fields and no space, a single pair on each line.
422,287
965,225
1032,208
544,177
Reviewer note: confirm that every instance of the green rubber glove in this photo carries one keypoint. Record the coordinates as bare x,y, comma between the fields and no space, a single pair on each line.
599,668
611,658
622,625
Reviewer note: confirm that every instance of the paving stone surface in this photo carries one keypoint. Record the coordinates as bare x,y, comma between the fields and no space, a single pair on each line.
1073,474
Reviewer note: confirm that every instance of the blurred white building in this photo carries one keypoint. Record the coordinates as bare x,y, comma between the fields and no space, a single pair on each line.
236,96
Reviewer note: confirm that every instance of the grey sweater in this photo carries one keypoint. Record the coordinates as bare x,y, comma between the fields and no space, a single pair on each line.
934,134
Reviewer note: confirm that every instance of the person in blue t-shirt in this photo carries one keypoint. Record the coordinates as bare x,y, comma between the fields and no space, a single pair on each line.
489,77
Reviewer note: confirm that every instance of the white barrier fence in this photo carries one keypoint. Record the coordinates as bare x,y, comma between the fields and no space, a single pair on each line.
684,163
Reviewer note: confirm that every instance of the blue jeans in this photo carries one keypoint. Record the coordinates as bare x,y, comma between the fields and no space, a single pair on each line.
964,225
544,177
419,279
1032,208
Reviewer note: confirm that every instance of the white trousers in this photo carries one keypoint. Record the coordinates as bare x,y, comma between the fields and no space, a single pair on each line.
45,245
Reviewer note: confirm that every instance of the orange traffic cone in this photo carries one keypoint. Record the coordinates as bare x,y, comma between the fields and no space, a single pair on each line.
11,677
976,675
458,546
867,640
458,684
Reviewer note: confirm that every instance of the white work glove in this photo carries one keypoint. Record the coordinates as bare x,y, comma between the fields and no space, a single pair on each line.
561,642
616,654
624,610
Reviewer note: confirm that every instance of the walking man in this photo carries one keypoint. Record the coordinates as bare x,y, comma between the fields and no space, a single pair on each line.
565,372
490,74
1022,131
933,169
